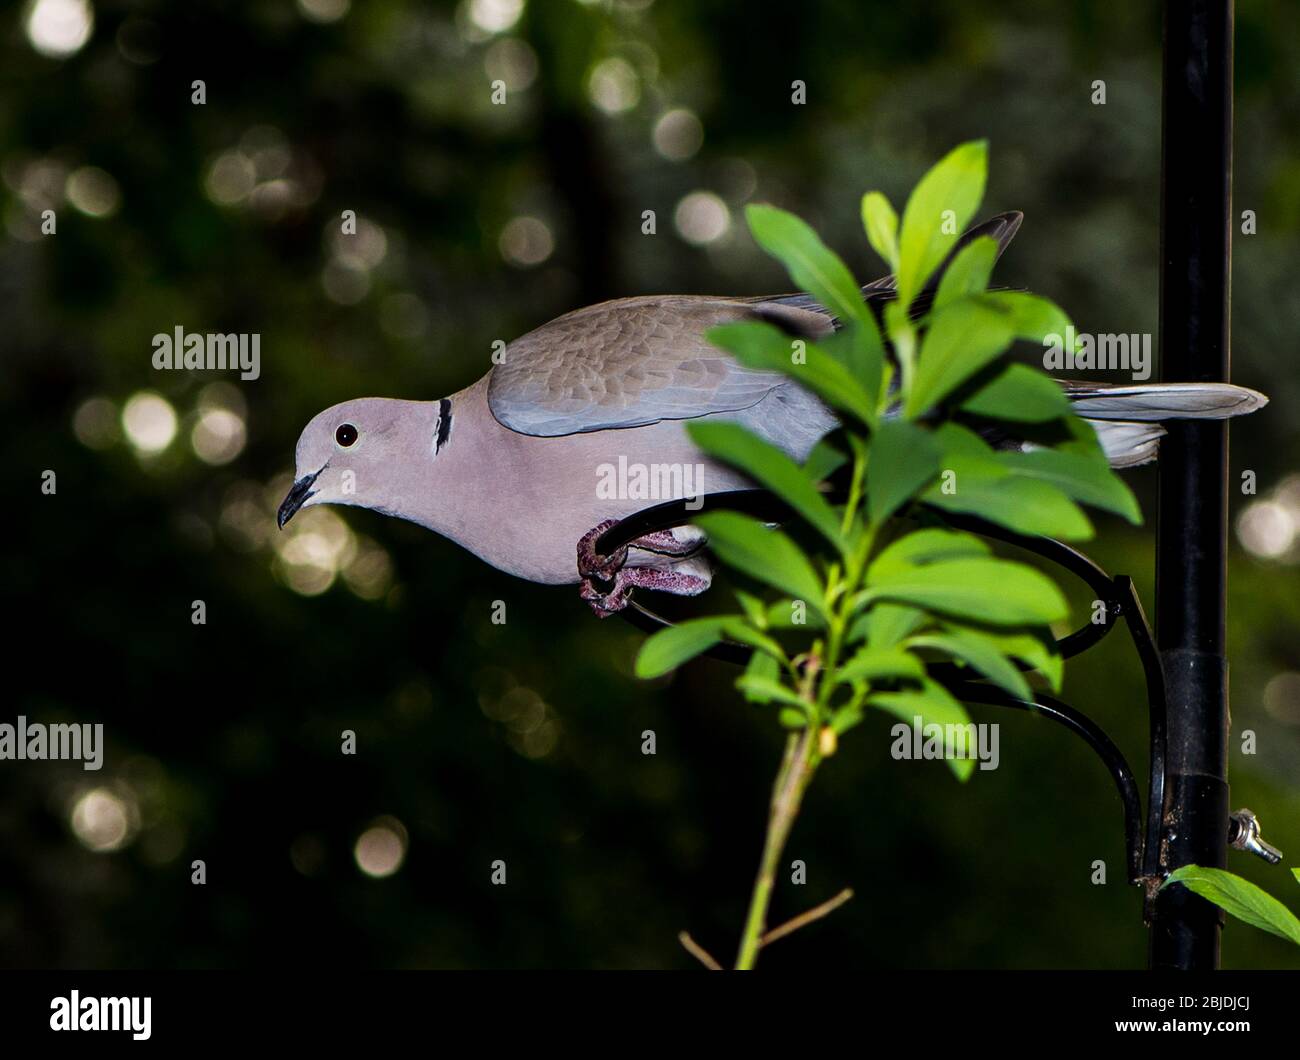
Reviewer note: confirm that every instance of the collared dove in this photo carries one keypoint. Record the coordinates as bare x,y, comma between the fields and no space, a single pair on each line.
583,423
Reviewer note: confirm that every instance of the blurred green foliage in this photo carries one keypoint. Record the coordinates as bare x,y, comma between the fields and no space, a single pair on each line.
522,741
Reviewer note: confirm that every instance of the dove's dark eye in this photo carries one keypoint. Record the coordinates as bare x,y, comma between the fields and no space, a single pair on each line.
346,435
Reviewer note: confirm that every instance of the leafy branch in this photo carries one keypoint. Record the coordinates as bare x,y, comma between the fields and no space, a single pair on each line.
1248,903
849,606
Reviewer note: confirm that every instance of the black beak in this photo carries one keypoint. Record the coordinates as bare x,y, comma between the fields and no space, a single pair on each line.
296,498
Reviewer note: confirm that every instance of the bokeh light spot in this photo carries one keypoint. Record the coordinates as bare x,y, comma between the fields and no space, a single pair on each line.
381,848
526,241
58,28
218,436
370,573
363,249
495,16
512,61
1282,697
149,422
231,178
1266,529
613,86
103,820
95,423
93,191
701,217
323,10
678,135
344,285
313,549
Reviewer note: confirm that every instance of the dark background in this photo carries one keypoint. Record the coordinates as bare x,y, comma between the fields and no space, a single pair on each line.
522,741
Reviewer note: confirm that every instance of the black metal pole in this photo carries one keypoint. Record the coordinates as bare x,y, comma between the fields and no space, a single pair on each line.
1196,245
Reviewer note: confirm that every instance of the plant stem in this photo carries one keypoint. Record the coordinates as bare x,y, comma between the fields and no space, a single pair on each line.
816,686
797,768
816,913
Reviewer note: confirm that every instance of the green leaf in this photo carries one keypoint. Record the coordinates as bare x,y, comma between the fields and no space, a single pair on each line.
1038,651
872,664
735,628
781,615
1240,897
955,184
764,668
982,485
760,345
887,624
934,705
1082,440
962,442
881,223
792,719
1020,504
979,655
995,591
903,335
925,546
753,608
766,555
904,457
861,350
1020,394
770,467
1033,317
846,718
1083,478
669,648
825,459
755,685
884,625
963,337
813,266
969,271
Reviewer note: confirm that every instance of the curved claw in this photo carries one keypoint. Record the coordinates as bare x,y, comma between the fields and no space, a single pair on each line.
607,581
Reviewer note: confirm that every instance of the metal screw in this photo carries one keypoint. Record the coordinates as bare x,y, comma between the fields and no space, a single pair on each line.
1243,834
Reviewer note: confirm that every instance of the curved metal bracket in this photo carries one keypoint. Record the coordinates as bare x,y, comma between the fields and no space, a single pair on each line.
1093,735
1142,845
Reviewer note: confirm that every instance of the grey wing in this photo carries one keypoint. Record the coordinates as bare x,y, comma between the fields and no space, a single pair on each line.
633,362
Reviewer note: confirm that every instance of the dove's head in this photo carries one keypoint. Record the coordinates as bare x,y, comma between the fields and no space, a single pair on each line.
364,452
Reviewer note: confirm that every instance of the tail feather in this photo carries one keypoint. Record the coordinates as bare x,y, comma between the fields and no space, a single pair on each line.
1127,418
1127,443
1161,401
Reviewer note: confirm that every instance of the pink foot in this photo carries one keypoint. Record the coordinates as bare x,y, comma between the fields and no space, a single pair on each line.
611,597
607,582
